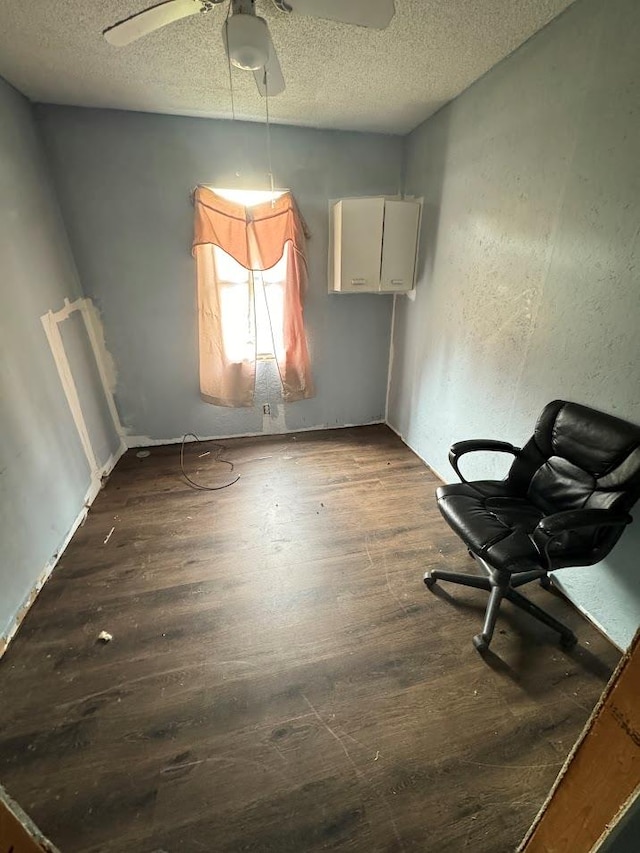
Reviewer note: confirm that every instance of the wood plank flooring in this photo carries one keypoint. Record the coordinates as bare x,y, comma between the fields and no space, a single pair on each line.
279,678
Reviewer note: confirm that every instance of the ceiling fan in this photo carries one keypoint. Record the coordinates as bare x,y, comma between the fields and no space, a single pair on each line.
246,36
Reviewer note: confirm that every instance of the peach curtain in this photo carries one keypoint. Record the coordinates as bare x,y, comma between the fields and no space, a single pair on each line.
257,238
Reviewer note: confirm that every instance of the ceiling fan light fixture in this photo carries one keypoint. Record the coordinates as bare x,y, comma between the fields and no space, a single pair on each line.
248,41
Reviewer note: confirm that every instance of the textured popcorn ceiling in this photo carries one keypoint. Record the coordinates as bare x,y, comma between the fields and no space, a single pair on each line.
337,76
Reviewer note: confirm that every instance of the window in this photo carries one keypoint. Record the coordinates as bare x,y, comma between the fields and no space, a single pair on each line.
268,292
251,272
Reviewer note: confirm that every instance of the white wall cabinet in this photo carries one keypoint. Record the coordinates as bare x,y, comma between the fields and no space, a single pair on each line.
373,245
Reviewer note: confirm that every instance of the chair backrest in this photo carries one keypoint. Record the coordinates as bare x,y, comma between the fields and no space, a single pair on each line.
579,458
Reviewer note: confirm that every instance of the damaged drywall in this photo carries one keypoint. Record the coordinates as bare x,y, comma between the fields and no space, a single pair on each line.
46,478
93,368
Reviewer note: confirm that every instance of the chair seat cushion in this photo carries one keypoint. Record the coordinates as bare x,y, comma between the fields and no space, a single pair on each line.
493,522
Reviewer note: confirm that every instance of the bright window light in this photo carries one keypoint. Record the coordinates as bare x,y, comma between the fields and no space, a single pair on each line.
249,198
237,317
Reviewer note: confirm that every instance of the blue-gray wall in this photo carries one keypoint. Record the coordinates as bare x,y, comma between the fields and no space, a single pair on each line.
44,475
124,181
529,283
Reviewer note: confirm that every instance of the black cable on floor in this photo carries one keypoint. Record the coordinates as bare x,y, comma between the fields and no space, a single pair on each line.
220,448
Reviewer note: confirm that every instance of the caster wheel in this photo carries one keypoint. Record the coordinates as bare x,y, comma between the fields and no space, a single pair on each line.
480,643
545,582
568,642
429,582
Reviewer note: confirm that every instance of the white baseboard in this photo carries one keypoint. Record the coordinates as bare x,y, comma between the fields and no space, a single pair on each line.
97,481
421,458
134,441
557,582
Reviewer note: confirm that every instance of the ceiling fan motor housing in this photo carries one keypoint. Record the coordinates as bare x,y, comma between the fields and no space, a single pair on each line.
247,37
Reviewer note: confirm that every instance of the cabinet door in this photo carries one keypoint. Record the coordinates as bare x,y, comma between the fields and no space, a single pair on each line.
399,245
358,244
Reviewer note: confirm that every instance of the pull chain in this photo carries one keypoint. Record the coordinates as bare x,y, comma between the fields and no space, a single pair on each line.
266,98
226,39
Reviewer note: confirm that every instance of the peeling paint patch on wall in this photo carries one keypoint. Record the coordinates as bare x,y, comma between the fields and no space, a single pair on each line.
51,322
45,478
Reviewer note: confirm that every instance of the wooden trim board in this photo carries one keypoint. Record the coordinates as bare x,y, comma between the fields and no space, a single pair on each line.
601,772
18,833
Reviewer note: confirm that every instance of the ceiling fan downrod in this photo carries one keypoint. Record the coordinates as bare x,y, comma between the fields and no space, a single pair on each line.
243,7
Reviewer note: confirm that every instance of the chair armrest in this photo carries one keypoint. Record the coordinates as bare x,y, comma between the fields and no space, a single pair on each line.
577,519
552,526
461,447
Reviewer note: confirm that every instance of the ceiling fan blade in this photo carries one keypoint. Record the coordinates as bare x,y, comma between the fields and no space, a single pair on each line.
124,32
376,14
275,80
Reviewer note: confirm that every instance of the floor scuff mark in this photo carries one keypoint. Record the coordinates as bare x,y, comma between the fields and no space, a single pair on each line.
357,770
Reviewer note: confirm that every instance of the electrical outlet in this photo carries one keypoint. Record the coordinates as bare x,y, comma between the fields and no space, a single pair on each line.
266,409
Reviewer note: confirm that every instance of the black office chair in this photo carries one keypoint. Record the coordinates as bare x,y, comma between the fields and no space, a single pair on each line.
564,502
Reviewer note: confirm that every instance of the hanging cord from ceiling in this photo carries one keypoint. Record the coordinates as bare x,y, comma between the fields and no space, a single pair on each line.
226,39
219,449
266,100
273,339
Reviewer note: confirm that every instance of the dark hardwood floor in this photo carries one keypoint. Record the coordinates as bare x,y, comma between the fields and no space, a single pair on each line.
279,678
